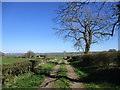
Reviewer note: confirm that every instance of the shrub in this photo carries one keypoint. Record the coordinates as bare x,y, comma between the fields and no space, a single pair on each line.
99,59
29,54
1,53
117,59
86,60
76,58
45,68
9,71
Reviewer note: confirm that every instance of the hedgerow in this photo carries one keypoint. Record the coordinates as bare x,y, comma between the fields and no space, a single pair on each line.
99,59
13,70
9,71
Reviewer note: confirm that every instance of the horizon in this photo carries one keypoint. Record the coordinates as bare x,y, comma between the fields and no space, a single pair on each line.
28,26
56,52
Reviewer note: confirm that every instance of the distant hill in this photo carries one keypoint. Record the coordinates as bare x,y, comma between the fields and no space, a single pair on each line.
7,54
49,53
52,53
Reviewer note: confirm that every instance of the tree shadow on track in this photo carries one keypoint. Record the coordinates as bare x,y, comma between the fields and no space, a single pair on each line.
98,74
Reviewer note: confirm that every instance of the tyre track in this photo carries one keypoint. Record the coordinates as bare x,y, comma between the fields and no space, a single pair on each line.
72,75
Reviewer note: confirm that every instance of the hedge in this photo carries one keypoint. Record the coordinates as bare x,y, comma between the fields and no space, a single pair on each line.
10,71
99,59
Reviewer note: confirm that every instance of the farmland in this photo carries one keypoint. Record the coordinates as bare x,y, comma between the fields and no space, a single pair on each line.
33,56
12,59
57,73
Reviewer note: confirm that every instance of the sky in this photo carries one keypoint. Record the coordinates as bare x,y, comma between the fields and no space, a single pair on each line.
29,26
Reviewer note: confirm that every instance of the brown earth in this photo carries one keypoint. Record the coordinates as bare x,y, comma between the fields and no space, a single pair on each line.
73,76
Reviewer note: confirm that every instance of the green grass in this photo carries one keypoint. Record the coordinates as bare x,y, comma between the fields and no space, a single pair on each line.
11,59
33,79
0,59
97,77
46,68
29,80
61,81
55,56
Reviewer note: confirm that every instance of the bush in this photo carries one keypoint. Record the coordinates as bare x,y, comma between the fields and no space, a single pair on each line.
76,58
118,59
99,59
9,71
29,54
45,68
86,60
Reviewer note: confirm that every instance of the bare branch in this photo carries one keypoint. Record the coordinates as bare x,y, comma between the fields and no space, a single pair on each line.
86,23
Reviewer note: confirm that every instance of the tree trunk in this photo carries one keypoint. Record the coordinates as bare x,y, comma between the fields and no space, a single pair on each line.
88,42
87,48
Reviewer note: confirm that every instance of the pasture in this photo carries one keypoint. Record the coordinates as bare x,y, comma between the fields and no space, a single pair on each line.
12,59
97,70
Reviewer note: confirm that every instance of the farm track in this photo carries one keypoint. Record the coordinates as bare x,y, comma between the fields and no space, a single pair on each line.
73,77
49,82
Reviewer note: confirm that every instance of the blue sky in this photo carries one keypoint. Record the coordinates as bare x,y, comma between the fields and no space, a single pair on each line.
28,26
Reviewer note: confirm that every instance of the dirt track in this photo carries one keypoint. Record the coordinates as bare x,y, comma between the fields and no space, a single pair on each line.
49,82
71,75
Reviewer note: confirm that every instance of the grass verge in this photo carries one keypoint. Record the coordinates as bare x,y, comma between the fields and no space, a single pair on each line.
32,79
97,77
29,80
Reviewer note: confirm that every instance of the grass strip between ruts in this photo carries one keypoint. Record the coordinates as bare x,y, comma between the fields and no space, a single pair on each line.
61,81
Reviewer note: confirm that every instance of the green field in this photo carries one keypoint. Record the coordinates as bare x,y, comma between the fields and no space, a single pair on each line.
11,59
91,75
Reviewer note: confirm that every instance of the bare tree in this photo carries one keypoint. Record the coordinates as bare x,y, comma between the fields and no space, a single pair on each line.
1,53
29,54
85,23
117,23
112,50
